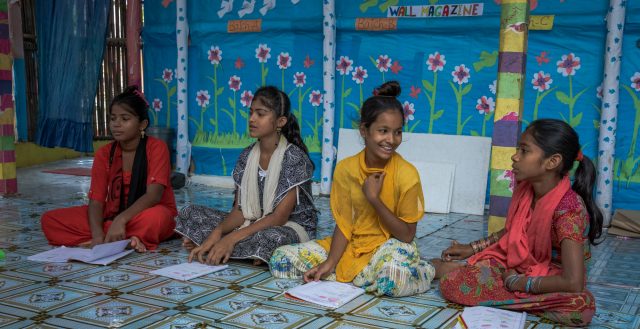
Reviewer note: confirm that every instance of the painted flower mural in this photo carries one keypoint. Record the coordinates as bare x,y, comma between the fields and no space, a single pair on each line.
165,81
156,104
246,98
315,98
409,110
568,66
344,66
460,76
284,62
263,53
299,80
542,84
235,83
382,63
214,55
486,107
435,63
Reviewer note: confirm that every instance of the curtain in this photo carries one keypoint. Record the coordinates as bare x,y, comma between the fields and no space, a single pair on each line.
71,40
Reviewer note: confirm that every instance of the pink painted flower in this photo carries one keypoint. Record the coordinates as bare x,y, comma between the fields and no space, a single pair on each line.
568,65
215,55
263,53
415,92
383,63
315,98
202,97
485,105
167,75
599,91
235,83
246,98
436,62
344,65
299,79
156,104
541,81
359,75
635,81
284,61
511,116
508,176
460,74
396,68
409,110
493,86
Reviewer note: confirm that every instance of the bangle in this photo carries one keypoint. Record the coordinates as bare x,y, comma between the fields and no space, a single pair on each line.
536,285
527,288
511,280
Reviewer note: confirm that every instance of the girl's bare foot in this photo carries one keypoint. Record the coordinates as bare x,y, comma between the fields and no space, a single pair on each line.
443,268
257,262
188,244
137,245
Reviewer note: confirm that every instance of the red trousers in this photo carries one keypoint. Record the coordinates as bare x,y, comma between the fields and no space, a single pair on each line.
70,226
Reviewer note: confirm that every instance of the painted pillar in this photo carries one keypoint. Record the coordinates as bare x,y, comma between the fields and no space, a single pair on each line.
609,108
8,181
512,60
183,147
329,82
134,25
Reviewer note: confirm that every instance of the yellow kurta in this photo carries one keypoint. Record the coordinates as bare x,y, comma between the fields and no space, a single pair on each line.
355,217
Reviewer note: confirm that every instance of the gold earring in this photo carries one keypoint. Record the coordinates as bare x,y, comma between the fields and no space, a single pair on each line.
141,133
278,130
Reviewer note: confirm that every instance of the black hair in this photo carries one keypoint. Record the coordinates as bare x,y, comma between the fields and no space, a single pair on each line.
134,101
557,137
384,99
279,103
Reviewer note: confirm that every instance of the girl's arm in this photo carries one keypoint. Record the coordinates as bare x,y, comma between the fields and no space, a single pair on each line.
96,221
571,279
338,245
398,228
117,231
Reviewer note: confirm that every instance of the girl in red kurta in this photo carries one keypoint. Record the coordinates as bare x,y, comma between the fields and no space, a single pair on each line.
131,195
537,262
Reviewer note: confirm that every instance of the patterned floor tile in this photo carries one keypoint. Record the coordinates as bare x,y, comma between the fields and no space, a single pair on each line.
234,273
176,291
183,321
112,313
396,311
8,319
46,298
115,279
232,302
8,283
59,270
277,285
267,316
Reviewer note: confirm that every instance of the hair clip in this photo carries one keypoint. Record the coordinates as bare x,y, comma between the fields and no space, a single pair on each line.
137,92
376,91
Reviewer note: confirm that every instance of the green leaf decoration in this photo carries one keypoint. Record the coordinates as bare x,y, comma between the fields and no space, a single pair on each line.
219,91
486,60
474,133
596,124
563,98
373,61
228,113
437,115
575,121
346,93
414,126
232,103
354,106
367,4
466,89
244,114
427,85
171,92
212,122
563,118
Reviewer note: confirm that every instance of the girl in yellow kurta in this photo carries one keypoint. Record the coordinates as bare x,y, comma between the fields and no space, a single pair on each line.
376,201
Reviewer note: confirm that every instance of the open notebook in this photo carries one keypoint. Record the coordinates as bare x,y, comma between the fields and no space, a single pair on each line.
187,271
482,317
326,293
101,254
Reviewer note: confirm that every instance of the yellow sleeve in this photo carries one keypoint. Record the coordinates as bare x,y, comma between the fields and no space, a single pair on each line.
411,202
340,200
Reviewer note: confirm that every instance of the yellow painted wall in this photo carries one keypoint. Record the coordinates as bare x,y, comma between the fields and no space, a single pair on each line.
29,154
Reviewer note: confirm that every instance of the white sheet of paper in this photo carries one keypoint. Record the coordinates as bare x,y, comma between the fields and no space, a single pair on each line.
326,293
102,254
187,271
482,317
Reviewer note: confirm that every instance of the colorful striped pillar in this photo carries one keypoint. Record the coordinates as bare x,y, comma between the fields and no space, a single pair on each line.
8,181
512,60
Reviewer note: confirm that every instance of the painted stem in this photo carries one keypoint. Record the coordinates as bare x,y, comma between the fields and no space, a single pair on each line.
215,97
432,102
459,101
342,106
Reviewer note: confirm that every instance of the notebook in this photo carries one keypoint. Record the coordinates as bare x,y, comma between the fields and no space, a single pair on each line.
326,293
101,254
482,317
187,271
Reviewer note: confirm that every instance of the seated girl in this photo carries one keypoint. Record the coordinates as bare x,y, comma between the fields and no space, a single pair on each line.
376,201
273,203
130,195
537,262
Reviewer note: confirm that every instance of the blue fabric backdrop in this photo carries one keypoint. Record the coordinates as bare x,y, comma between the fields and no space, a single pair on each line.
439,104
71,38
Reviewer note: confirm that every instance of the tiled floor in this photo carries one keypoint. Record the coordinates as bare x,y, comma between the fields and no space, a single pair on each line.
124,295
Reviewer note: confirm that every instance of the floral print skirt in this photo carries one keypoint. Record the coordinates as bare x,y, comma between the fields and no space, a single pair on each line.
394,270
481,284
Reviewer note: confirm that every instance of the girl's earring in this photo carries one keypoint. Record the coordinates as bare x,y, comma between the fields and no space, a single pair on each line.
279,132
141,133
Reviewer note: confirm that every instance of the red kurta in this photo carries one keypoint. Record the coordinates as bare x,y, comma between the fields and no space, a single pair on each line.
70,226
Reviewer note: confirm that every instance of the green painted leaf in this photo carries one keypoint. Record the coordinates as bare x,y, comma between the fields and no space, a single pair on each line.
171,92
212,122
243,113
414,126
466,89
563,98
232,103
596,124
346,93
219,91
575,121
354,106
437,115
228,113
427,85
474,133
373,61
563,118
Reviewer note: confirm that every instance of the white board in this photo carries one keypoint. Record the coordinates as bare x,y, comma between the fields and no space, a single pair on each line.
437,185
469,154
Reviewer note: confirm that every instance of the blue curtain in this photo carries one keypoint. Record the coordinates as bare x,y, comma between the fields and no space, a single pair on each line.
71,39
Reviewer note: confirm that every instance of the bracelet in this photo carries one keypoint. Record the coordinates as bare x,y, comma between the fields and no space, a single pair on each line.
527,288
511,280
535,286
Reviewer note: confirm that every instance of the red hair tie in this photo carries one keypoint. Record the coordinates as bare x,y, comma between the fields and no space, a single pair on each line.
580,156
137,92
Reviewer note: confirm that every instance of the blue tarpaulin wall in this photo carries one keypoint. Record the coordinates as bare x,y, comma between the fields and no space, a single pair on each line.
438,101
